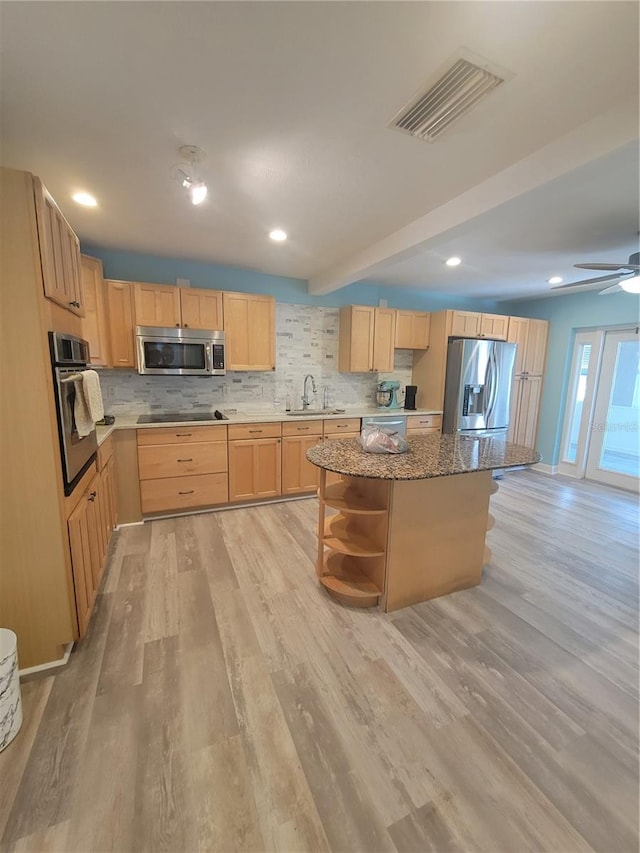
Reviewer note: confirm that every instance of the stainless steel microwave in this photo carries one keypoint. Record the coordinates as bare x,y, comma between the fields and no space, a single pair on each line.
180,352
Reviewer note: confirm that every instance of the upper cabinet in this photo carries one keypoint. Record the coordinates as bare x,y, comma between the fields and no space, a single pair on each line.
94,323
250,334
120,323
468,324
167,305
412,329
156,304
367,339
531,337
59,253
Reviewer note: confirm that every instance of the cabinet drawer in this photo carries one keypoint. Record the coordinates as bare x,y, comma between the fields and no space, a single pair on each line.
238,431
105,452
342,426
302,428
181,435
425,431
171,493
177,460
424,421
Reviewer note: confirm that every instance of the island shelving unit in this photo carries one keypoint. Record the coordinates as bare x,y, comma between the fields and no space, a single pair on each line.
397,530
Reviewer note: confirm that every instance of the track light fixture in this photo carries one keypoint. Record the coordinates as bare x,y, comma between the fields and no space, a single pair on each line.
187,175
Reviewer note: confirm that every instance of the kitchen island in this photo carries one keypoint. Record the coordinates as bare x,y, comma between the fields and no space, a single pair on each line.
400,529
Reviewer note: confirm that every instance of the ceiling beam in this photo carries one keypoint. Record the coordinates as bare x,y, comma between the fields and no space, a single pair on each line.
597,138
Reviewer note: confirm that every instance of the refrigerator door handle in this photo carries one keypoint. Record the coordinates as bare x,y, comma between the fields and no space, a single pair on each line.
493,386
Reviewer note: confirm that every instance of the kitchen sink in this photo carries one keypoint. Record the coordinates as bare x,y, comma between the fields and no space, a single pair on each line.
298,413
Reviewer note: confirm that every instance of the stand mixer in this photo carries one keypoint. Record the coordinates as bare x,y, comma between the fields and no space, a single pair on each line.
387,394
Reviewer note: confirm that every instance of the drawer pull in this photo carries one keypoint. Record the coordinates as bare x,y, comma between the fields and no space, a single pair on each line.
185,460
255,430
183,434
302,428
92,496
190,492
341,426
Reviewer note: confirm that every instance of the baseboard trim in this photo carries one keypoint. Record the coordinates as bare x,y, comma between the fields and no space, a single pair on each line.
129,524
229,507
52,664
544,468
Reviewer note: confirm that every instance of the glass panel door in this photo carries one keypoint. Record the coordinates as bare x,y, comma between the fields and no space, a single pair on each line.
584,371
614,451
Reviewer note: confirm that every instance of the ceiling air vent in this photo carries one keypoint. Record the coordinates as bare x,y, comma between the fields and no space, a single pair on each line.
456,92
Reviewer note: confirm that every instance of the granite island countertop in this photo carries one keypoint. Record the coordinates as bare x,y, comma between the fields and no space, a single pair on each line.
428,456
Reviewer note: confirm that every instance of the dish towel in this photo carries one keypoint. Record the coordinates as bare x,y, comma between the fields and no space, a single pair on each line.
88,407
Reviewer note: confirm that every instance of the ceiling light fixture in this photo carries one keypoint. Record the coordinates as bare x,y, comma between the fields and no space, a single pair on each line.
555,279
84,199
453,262
278,235
186,173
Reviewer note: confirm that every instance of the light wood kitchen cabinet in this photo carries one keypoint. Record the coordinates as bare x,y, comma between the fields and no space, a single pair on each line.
255,461
367,339
518,333
94,322
90,526
423,424
525,409
412,329
182,468
201,309
298,474
156,304
335,429
59,252
531,337
120,323
468,324
250,331
166,305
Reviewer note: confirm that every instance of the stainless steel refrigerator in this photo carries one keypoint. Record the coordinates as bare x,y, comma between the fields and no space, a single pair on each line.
478,387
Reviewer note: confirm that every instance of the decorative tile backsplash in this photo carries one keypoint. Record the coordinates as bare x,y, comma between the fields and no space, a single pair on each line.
306,342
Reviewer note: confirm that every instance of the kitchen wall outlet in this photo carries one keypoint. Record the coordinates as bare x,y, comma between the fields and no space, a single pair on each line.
382,303
183,282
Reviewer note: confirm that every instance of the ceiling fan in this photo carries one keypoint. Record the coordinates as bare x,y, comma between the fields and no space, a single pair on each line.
625,276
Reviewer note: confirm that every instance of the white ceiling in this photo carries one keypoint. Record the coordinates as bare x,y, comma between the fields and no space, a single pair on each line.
291,100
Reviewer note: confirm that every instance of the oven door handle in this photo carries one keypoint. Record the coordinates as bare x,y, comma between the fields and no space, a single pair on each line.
208,358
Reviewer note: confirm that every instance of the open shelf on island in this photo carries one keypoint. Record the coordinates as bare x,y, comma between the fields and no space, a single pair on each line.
340,535
345,582
344,497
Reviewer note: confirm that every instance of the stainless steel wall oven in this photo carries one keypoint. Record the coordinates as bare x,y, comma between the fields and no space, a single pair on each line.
69,356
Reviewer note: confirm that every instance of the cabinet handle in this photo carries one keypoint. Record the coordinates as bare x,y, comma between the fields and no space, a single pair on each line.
92,496
190,492
185,460
186,325
183,434
177,325
255,430
301,428
75,303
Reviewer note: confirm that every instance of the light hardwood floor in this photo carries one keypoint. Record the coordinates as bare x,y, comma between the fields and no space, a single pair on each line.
223,702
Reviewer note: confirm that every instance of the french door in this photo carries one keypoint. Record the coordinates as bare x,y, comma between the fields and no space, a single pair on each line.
601,435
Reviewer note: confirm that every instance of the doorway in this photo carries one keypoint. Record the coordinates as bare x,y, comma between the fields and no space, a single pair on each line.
601,429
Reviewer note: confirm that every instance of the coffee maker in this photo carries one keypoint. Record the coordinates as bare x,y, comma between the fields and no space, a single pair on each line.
387,394
410,397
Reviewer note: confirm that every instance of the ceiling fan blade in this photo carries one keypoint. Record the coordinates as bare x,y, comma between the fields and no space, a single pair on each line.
621,267
613,289
601,279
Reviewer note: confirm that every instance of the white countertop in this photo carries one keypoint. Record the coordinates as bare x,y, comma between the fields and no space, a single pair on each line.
131,421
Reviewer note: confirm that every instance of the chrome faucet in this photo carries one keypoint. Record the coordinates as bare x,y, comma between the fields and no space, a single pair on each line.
305,396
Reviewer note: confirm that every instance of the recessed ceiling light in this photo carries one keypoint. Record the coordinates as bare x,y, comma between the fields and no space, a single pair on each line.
453,262
85,199
555,279
278,235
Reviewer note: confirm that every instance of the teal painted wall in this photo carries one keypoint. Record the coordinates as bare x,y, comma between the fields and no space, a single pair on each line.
133,266
566,314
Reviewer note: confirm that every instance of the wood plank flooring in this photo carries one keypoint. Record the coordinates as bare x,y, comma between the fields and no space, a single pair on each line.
223,702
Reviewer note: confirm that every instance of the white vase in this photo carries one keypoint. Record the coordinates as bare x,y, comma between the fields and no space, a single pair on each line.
10,703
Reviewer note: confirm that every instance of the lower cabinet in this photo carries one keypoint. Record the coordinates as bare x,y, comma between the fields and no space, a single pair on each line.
423,424
298,474
255,461
344,428
182,468
90,526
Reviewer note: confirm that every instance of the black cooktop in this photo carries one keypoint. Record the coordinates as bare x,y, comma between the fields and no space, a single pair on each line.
176,417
